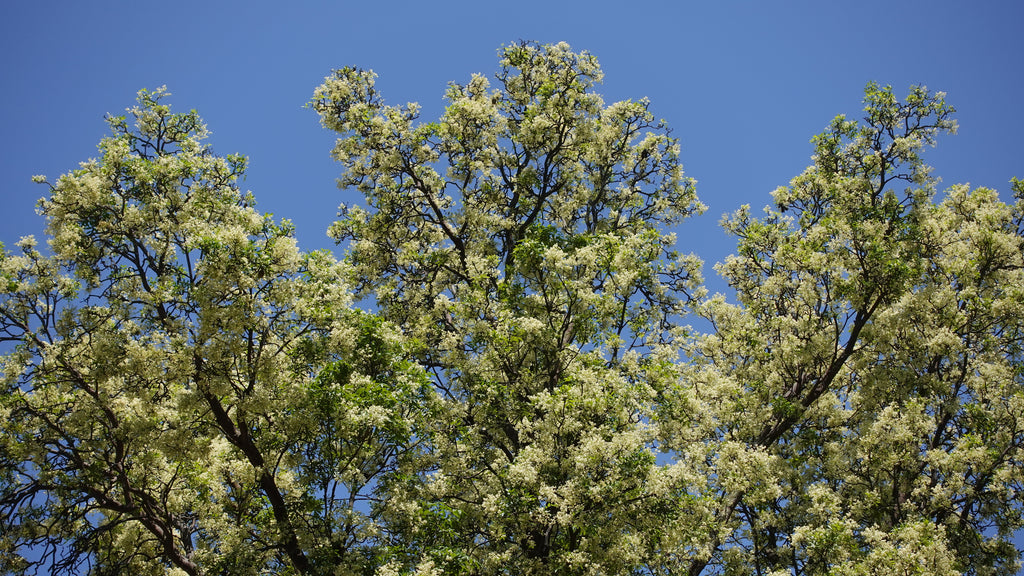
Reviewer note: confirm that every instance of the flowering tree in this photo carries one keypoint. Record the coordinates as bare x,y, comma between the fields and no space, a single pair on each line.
187,392
519,242
870,376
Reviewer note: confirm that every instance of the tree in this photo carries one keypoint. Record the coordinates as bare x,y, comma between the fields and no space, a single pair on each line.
519,241
871,371
188,392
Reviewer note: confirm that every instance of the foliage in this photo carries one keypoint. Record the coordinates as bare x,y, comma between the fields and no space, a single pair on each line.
872,364
187,392
519,241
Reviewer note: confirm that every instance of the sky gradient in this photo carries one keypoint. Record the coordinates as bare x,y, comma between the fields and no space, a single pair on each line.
744,85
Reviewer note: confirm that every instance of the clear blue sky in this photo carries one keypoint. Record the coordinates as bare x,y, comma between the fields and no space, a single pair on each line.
744,84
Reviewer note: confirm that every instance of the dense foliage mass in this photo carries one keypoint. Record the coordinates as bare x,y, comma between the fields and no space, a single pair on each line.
184,391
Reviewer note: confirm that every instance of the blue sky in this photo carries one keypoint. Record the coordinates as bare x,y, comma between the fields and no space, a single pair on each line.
743,84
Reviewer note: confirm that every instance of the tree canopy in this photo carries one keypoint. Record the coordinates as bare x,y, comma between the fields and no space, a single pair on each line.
538,381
